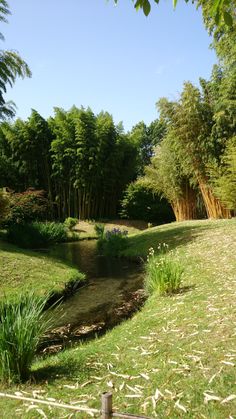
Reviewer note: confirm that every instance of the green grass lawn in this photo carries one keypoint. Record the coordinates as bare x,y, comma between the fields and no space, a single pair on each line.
22,270
175,357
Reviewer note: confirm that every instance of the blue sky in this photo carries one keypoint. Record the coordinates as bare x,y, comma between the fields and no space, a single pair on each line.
93,53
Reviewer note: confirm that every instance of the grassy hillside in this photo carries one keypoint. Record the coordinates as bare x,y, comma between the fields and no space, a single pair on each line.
174,358
22,269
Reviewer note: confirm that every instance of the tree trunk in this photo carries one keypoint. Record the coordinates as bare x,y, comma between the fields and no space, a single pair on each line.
185,208
214,207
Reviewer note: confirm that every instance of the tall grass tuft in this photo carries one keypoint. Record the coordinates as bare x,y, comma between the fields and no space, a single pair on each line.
163,273
22,325
100,230
70,223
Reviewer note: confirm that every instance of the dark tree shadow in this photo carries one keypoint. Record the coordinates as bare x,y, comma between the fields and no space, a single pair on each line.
64,368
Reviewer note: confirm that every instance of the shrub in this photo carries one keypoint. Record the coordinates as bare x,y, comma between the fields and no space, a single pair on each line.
140,203
163,273
23,324
36,234
27,206
113,242
70,222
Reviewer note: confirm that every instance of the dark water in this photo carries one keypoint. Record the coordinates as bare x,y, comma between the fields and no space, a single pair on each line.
112,283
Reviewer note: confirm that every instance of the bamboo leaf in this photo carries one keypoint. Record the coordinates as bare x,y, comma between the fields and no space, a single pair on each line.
146,7
228,18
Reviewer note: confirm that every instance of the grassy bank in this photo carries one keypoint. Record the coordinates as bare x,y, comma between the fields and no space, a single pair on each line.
25,270
86,230
176,357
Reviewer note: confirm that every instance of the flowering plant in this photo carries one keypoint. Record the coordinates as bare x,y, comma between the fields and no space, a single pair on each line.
113,242
163,272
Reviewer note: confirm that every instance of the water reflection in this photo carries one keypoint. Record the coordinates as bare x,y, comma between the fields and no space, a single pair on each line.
111,282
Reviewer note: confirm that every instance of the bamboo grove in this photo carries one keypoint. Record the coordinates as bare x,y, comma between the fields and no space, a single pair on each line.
83,161
196,161
195,165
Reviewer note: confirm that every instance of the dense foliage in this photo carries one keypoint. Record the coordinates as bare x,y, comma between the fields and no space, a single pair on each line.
27,206
141,202
81,160
35,235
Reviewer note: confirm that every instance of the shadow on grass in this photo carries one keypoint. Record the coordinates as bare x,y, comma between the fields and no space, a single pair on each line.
184,290
173,235
67,368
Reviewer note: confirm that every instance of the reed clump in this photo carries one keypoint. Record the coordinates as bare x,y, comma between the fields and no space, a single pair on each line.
23,322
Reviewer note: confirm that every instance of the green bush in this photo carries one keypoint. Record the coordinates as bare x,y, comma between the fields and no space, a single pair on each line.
70,222
140,203
23,324
37,234
112,242
27,206
163,273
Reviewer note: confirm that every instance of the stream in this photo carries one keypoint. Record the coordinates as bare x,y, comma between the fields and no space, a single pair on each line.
113,291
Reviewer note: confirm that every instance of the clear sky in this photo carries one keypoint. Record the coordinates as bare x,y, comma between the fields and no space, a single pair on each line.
112,58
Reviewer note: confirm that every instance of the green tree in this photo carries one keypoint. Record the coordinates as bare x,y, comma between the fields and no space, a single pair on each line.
29,142
167,177
191,122
64,155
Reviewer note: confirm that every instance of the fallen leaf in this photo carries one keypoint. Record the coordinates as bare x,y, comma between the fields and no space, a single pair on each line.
85,384
122,386
210,397
144,376
180,406
229,398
